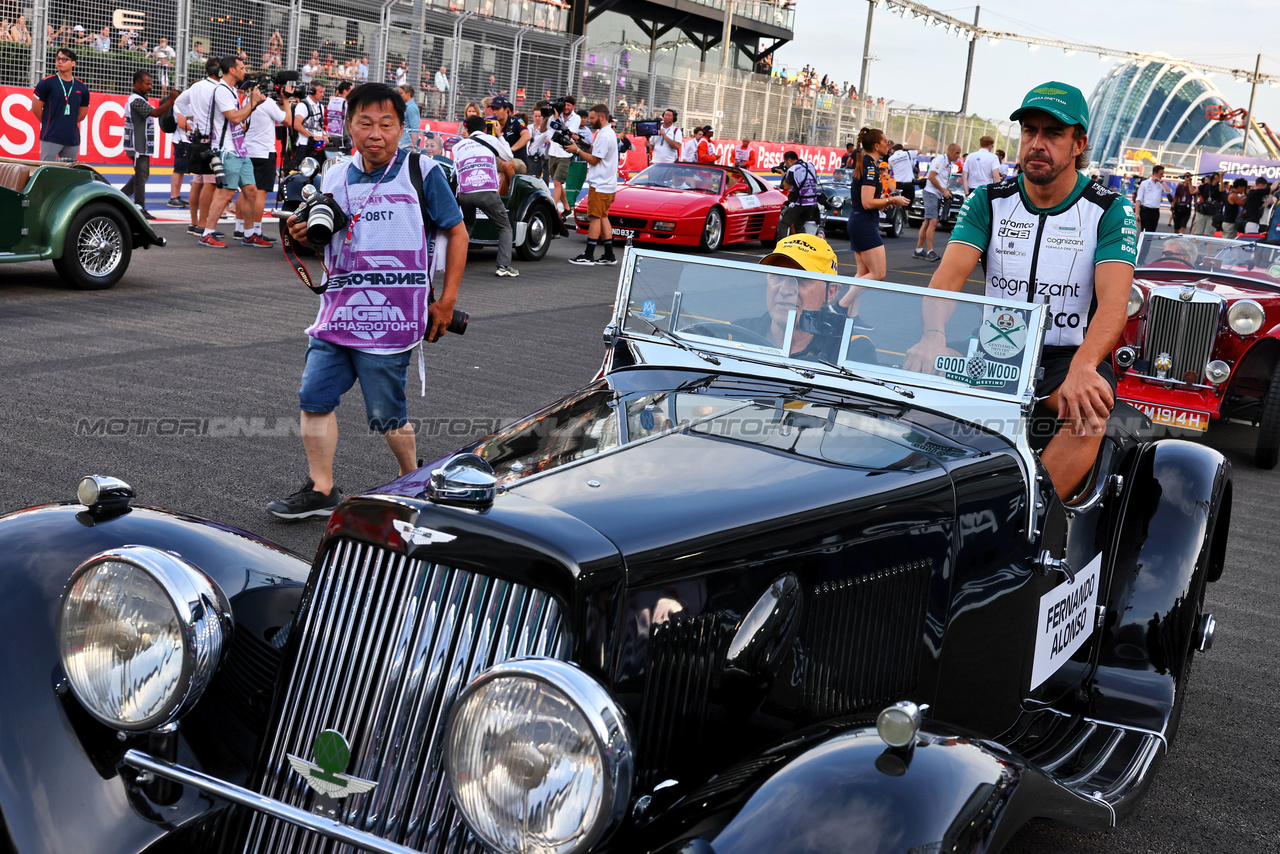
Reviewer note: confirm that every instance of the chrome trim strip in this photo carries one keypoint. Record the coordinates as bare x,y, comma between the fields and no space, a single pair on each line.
263,805
1108,748
1073,748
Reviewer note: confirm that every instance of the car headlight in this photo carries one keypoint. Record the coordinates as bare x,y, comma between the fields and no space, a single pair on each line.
308,167
140,634
1217,371
1135,300
1245,317
538,757
660,225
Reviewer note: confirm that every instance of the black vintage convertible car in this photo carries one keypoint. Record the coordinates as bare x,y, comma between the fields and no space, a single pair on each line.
722,599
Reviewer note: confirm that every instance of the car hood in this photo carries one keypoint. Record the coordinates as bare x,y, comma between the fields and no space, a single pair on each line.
741,476
1266,291
632,201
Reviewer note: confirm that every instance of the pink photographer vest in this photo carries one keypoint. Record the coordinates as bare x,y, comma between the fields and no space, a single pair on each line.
477,167
379,283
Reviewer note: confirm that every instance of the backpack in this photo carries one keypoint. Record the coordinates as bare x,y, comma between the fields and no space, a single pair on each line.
168,122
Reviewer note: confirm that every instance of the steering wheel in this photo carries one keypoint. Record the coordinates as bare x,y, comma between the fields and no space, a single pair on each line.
728,332
1175,259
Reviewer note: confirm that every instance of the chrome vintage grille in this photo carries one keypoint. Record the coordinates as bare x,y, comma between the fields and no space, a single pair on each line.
387,645
863,639
1183,329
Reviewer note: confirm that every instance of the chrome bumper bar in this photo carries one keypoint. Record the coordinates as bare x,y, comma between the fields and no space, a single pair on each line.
244,797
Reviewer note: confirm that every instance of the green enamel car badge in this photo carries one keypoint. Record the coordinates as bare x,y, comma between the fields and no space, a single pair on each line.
325,775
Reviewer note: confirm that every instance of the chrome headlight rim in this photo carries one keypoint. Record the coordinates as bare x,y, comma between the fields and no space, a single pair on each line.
1239,307
604,716
1136,300
308,167
203,613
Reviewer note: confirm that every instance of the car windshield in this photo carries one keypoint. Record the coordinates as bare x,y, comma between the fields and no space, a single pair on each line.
790,318
1214,256
841,176
681,176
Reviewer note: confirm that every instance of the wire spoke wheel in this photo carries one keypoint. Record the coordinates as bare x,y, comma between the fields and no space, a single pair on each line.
99,246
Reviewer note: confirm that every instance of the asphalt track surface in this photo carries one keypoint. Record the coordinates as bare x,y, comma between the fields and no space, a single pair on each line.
215,337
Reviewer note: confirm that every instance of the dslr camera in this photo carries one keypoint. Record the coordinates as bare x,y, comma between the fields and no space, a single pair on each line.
562,136
323,217
213,159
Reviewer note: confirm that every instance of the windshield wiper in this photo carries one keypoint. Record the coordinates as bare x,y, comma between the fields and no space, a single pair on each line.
905,392
706,357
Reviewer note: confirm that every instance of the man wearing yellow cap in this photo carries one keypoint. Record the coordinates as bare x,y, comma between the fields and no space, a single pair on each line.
1052,236
783,293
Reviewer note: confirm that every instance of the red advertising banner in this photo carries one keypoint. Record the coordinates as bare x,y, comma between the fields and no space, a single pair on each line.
101,132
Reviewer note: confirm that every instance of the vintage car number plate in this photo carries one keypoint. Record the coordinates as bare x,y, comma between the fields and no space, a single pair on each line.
624,232
1172,416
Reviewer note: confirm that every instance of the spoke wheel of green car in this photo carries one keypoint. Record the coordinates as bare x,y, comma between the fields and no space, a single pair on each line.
97,249
537,238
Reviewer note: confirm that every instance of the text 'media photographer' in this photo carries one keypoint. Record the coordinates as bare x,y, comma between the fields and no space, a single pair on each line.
399,225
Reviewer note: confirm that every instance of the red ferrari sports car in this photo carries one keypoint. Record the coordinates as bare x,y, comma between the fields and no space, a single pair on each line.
692,204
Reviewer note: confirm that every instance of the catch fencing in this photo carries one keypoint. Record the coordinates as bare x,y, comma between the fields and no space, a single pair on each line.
453,52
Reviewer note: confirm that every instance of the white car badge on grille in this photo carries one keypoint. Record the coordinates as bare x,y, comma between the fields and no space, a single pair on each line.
420,536
325,774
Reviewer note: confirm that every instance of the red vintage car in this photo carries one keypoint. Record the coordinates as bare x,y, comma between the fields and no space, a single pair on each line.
692,204
1203,338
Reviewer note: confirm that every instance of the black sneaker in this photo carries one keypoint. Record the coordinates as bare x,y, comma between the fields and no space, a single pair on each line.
176,202
148,216
238,234
218,234
195,230
583,259
607,261
306,502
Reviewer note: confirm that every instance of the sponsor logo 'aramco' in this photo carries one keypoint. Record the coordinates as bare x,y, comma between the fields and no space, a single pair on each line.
325,774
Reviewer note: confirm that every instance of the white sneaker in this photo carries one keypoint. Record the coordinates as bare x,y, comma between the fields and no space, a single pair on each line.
511,272
560,208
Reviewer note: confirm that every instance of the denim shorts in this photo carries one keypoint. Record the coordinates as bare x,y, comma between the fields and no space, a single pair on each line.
330,371
239,170
931,205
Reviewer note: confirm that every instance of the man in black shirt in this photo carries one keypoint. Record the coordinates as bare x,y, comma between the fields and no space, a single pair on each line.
1208,205
514,131
1253,202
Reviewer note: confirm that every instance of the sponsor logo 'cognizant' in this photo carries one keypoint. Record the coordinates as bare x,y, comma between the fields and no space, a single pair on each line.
368,315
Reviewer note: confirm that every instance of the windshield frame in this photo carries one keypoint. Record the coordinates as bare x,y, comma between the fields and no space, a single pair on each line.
1024,398
1220,243
719,169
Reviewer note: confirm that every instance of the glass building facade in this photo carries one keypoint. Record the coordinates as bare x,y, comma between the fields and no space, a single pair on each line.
1141,105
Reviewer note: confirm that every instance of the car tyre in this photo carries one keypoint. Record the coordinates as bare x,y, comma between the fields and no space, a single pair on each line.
713,231
1268,451
97,250
537,239
898,223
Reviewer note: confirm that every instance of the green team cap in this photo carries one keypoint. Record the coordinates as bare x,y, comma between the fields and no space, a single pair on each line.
1061,100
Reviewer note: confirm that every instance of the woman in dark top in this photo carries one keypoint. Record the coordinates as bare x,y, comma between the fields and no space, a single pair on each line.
1182,199
866,201
1231,210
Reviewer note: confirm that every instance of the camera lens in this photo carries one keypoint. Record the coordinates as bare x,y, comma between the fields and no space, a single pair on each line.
319,224
458,325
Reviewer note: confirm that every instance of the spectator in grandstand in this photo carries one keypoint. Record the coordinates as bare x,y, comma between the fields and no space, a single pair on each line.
1208,204
140,136
412,117
19,32
126,41
327,67
744,156
402,75
54,37
665,146
79,35
1180,212
102,42
195,56
60,104
275,52
310,68
707,148
982,167
362,70
491,89
166,58
440,95
689,151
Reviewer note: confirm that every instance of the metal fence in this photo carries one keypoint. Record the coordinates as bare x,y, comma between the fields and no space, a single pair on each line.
452,52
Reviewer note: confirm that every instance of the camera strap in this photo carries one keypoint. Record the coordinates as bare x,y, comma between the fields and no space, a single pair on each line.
291,255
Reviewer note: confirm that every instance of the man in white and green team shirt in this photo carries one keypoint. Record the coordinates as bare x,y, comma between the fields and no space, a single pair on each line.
1050,235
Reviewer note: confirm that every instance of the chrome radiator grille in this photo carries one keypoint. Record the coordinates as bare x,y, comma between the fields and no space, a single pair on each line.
387,644
1184,330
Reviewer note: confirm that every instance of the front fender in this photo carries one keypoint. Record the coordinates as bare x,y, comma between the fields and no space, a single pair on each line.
62,210
59,788
849,792
1171,541
534,196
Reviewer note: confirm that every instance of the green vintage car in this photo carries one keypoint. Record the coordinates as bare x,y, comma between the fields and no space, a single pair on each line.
68,213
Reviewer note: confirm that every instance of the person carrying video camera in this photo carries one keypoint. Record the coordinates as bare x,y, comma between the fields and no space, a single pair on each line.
666,144
800,183
382,222
562,113
260,138
229,152
602,184
309,135
335,117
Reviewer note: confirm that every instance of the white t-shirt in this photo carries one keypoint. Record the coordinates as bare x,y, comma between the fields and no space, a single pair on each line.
941,168
603,176
224,99
900,164
308,72
194,103
663,153
978,167
573,123
261,135
689,151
